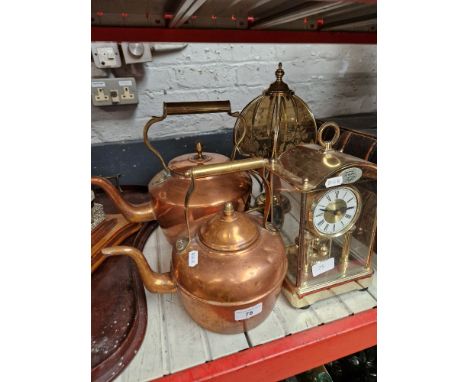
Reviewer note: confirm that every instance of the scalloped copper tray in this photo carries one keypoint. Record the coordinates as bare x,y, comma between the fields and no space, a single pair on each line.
118,308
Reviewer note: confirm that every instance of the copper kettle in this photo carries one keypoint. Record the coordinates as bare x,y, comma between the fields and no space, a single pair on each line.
169,187
230,272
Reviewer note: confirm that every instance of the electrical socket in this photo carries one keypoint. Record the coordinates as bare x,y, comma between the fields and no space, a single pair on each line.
101,96
106,55
127,90
113,91
126,94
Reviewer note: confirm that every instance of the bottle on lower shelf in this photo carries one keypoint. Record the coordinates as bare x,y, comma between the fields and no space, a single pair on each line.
357,367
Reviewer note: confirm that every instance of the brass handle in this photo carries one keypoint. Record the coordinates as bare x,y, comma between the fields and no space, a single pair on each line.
197,107
148,124
219,169
226,167
181,108
328,144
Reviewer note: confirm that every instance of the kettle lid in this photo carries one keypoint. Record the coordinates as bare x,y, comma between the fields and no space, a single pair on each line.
184,162
229,231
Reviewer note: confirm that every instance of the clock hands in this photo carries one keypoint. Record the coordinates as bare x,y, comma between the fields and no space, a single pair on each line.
337,210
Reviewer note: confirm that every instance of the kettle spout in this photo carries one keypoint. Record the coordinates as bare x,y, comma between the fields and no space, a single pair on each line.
154,282
134,213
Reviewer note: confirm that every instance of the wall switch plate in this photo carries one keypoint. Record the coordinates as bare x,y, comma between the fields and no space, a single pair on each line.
113,91
106,55
134,52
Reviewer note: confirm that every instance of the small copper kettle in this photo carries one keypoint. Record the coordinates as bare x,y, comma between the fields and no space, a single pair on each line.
229,273
169,187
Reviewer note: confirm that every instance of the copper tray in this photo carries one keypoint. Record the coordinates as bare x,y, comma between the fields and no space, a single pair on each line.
118,307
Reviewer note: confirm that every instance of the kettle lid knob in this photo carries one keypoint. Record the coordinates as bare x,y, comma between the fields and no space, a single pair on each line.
199,150
228,209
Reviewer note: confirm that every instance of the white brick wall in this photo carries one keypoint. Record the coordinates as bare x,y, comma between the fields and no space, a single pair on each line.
332,79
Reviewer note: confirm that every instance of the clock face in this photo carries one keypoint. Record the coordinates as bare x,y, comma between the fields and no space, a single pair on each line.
336,211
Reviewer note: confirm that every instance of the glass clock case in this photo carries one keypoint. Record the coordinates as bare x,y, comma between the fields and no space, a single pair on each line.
329,227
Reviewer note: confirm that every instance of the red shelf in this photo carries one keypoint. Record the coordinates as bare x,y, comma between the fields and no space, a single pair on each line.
289,355
141,34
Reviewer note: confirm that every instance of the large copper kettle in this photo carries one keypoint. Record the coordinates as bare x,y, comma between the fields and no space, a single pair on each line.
229,273
169,187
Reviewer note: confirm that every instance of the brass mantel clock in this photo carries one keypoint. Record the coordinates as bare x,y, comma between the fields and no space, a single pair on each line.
331,226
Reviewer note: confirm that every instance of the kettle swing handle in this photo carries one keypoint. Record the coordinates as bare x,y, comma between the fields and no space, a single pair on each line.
221,169
164,282
182,108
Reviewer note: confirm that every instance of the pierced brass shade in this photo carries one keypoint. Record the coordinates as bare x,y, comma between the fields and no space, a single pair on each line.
274,122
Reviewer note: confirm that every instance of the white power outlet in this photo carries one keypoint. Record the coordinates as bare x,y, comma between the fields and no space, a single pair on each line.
127,90
113,91
126,94
101,96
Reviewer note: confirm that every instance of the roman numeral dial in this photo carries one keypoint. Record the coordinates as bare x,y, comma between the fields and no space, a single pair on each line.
336,211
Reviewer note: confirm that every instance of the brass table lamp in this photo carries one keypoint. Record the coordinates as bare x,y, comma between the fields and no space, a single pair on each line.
274,122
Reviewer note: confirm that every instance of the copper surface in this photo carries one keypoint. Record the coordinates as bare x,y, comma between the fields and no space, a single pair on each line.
220,319
135,213
184,162
154,282
215,169
118,311
229,231
168,194
169,187
209,197
223,281
232,276
112,231
226,281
